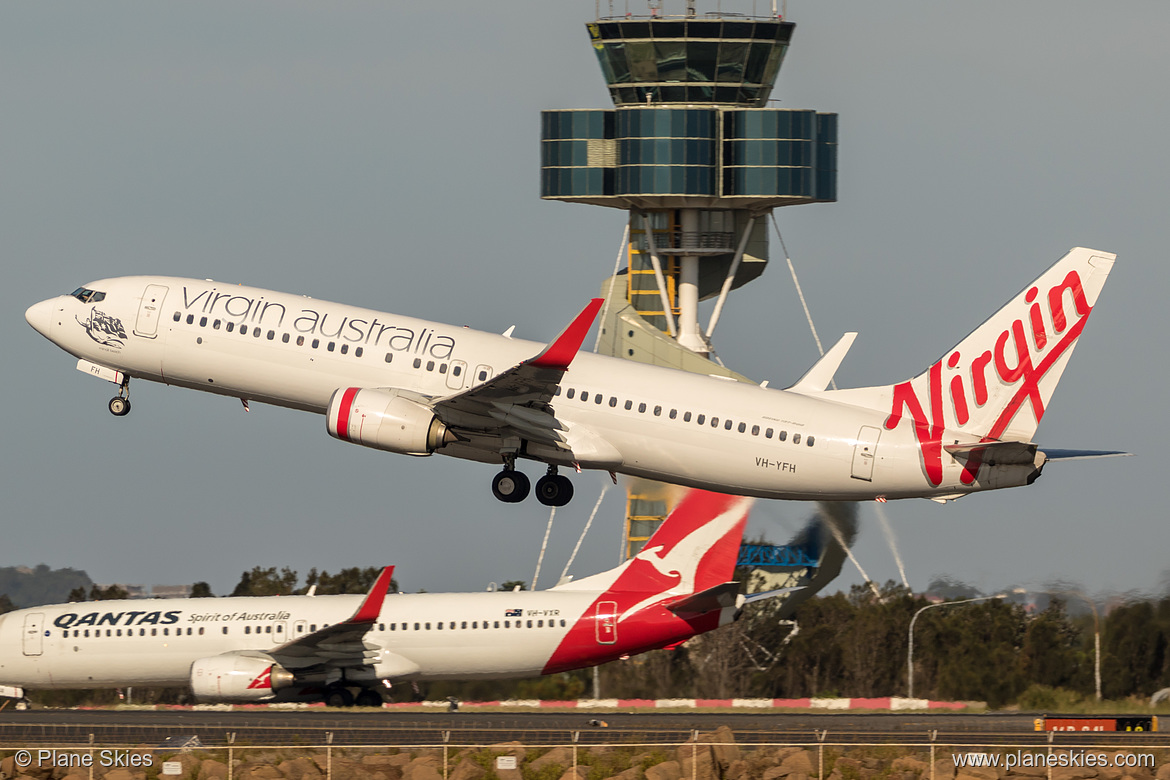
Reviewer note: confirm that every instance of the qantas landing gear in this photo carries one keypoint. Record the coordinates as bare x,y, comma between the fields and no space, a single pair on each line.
120,404
368,698
510,486
553,489
338,697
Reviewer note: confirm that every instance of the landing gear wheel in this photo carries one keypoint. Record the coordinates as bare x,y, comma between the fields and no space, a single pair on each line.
511,486
554,490
23,704
368,698
338,697
119,406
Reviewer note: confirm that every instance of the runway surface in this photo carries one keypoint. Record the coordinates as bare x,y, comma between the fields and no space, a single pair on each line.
370,727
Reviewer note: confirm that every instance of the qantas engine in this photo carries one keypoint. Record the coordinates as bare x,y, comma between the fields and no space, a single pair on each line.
238,678
385,420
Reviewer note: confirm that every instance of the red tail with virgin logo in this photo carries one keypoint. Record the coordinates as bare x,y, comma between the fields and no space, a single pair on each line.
694,550
995,385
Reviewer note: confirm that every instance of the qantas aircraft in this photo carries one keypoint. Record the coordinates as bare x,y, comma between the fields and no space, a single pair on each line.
313,648
408,386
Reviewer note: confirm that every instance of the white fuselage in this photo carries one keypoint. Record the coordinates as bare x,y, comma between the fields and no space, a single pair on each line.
154,642
637,419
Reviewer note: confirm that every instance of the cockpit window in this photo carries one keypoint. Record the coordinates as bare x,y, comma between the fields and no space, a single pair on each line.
88,296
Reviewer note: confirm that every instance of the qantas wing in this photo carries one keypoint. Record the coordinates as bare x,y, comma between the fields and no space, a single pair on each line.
516,402
342,644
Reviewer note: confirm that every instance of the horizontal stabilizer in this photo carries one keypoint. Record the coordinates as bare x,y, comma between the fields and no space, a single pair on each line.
1002,453
1084,454
817,378
710,600
768,594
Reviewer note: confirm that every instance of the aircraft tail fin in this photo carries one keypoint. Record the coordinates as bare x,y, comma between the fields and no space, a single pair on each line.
695,549
995,384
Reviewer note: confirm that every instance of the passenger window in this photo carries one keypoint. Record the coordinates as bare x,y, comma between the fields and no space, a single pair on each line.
451,625
284,338
742,427
584,396
344,348
300,341
657,411
796,438
714,422
200,630
178,316
727,425
629,405
570,393
598,398
440,626
315,343
482,376
215,325
357,352
612,401
203,322
457,371
271,335
464,625
641,408
497,624
507,624
225,629
329,347
783,435
166,632
809,441
673,413
389,357
540,624
190,318
768,434
702,418
418,362
229,327
256,333
247,629
686,416
443,368
428,626
243,330
430,365
267,629
530,624
755,430
154,632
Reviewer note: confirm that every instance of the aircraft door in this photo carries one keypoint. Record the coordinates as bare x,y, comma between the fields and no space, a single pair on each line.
456,374
148,311
33,624
606,622
865,451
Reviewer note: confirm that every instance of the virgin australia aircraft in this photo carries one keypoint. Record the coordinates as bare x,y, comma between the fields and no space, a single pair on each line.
408,386
313,648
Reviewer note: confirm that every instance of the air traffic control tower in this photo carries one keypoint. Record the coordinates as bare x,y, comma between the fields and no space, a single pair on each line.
698,157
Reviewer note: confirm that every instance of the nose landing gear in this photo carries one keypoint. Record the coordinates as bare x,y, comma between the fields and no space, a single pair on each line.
120,404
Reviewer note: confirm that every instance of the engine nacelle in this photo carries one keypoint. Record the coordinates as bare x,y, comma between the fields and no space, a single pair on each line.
384,420
241,678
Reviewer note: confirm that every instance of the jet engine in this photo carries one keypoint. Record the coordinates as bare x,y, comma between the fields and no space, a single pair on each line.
385,420
231,677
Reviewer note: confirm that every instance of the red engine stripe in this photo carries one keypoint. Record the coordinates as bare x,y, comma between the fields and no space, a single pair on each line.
343,411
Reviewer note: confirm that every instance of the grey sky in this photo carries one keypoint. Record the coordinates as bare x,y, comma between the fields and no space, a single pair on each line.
387,155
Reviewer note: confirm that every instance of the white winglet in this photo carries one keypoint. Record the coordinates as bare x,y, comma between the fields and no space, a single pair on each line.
817,379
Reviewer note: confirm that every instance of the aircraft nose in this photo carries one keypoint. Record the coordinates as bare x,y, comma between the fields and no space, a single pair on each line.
40,316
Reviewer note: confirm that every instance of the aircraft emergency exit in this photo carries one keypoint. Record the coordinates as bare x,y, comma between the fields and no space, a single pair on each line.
389,382
313,648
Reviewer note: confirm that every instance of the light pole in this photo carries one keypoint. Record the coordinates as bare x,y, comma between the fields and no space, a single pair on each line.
910,653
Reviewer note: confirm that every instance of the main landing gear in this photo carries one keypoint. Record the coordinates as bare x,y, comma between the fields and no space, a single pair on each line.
120,404
512,486
339,696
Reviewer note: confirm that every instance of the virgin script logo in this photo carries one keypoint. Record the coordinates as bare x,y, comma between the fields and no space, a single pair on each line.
1023,355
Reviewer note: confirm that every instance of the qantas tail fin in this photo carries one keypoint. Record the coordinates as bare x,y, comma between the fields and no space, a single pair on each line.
694,549
996,384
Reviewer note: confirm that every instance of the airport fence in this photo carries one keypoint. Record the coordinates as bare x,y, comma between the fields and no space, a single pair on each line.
712,756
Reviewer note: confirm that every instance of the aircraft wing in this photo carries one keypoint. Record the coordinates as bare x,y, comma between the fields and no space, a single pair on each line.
516,402
342,644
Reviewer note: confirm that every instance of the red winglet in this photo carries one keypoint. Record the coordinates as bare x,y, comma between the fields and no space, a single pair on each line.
372,607
559,353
